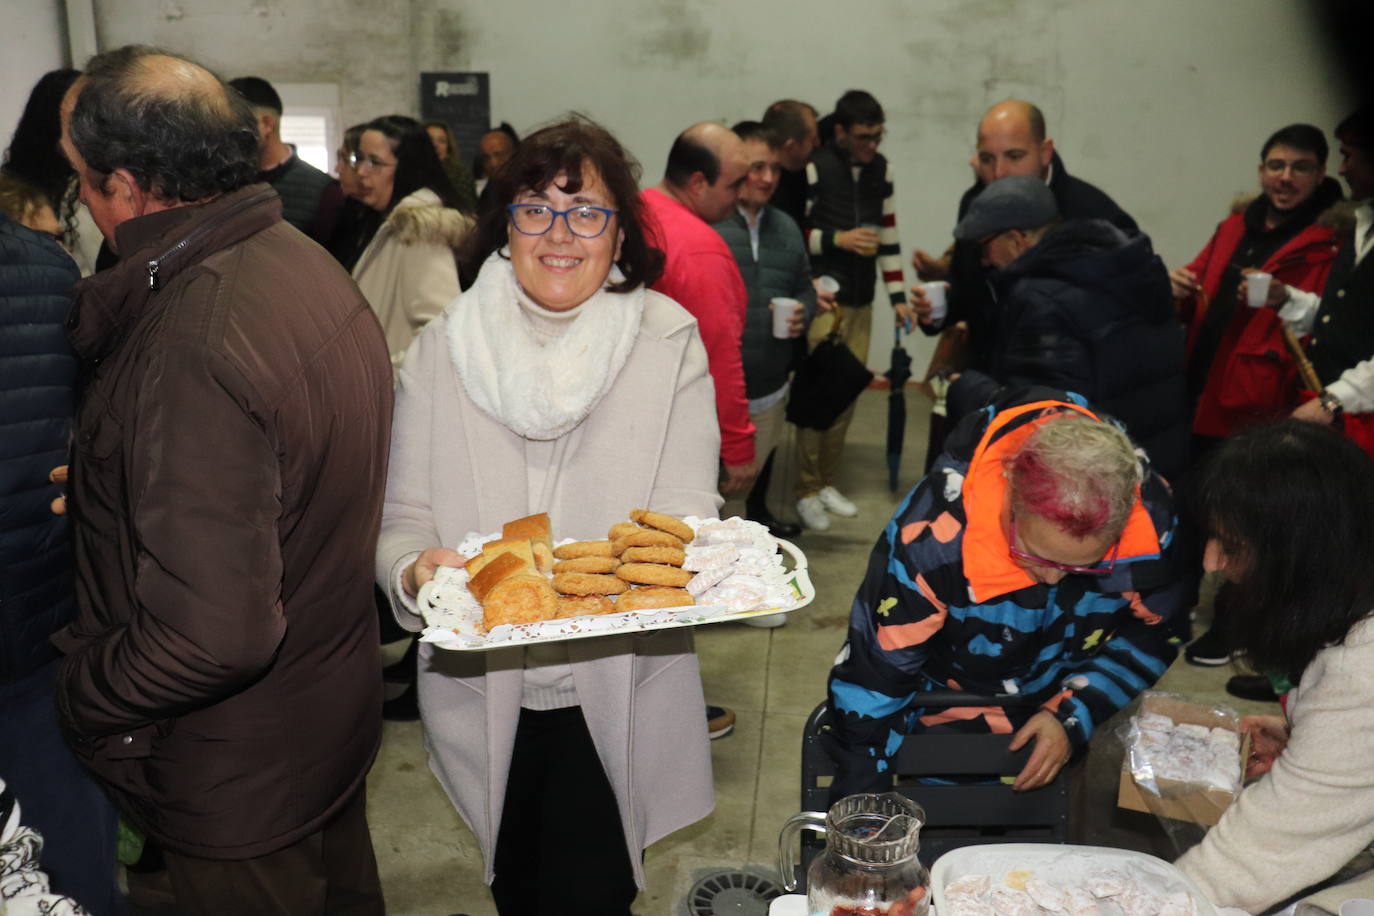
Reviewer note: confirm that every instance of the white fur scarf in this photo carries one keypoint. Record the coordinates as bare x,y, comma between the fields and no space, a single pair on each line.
538,391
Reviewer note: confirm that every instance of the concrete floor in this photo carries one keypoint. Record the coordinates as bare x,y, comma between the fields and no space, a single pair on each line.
430,864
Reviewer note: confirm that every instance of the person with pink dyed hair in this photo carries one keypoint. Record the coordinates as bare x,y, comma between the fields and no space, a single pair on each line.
1035,561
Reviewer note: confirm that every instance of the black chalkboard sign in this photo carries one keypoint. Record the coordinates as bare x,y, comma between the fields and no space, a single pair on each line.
463,101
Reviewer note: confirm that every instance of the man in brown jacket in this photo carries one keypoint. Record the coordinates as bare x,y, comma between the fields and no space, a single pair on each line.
222,674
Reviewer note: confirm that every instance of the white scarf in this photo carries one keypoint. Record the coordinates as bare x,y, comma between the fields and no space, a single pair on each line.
538,389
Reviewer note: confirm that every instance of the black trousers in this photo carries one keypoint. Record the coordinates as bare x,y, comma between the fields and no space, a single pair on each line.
561,847
331,872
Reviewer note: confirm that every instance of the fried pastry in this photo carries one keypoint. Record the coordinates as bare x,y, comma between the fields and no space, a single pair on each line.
578,605
654,574
620,529
584,549
588,584
668,556
645,537
586,565
644,599
521,598
674,526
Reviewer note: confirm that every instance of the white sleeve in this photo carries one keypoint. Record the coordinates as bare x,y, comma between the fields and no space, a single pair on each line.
1355,387
1299,310
1318,798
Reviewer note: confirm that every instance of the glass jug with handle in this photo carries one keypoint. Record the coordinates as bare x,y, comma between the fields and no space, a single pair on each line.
869,866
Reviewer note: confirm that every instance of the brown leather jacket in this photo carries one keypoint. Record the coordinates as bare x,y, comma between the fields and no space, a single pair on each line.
230,453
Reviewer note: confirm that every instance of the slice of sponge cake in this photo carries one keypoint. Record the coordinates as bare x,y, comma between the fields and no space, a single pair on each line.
520,547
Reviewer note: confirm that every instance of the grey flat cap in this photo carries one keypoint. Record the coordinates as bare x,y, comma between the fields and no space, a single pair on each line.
1017,202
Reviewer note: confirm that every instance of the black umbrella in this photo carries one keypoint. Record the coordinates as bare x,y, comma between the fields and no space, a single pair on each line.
896,375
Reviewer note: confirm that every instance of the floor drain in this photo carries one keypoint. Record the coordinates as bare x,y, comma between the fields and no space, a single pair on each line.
731,893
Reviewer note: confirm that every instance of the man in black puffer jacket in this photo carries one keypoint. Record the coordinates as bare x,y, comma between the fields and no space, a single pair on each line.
37,597
1086,308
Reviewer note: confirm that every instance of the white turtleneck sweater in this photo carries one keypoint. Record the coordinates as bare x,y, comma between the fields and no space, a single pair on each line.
548,677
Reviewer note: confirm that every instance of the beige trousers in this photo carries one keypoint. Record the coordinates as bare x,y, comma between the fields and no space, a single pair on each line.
769,427
819,450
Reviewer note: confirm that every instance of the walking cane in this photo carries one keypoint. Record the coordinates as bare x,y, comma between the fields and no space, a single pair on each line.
1305,369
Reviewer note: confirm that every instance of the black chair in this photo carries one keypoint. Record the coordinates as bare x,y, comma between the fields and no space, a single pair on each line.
956,815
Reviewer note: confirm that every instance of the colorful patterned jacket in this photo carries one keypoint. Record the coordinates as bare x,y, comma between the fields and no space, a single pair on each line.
944,606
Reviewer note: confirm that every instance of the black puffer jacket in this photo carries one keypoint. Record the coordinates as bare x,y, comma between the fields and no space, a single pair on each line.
971,298
840,201
1089,310
37,370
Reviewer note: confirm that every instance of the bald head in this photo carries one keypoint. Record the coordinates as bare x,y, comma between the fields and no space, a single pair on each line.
175,127
1012,141
706,167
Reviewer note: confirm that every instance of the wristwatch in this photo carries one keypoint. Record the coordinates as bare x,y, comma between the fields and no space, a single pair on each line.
1330,403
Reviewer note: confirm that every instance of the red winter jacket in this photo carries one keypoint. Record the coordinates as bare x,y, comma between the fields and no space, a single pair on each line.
1253,376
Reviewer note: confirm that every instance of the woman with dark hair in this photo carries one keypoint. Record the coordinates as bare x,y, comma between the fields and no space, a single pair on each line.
446,148
33,154
344,225
1289,511
557,383
35,158
407,270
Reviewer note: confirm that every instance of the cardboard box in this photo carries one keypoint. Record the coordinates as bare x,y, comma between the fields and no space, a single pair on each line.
1180,800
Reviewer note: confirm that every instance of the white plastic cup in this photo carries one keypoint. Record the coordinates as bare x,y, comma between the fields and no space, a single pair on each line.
936,293
783,310
828,284
1257,288
789,905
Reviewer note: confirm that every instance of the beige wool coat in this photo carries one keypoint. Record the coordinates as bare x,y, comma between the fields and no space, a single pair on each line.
651,442
1314,811
408,273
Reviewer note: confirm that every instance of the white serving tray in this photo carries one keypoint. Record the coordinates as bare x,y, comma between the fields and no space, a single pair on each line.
1062,864
456,623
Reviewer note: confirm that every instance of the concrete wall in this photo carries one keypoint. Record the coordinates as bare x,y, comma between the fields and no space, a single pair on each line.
1163,104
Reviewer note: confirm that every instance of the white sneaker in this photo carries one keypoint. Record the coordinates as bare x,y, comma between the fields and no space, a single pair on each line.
837,503
767,621
812,512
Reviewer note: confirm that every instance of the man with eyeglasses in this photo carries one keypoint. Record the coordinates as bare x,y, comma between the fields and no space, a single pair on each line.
1341,346
1033,561
1240,370
850,228
1341,320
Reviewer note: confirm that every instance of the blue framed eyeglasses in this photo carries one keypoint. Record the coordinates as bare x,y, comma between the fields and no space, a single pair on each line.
536,219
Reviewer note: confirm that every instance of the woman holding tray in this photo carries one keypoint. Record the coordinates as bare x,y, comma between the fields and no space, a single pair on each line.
559,382
1290,513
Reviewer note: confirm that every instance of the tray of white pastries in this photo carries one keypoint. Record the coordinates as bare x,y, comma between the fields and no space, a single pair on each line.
1043,879
651,572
